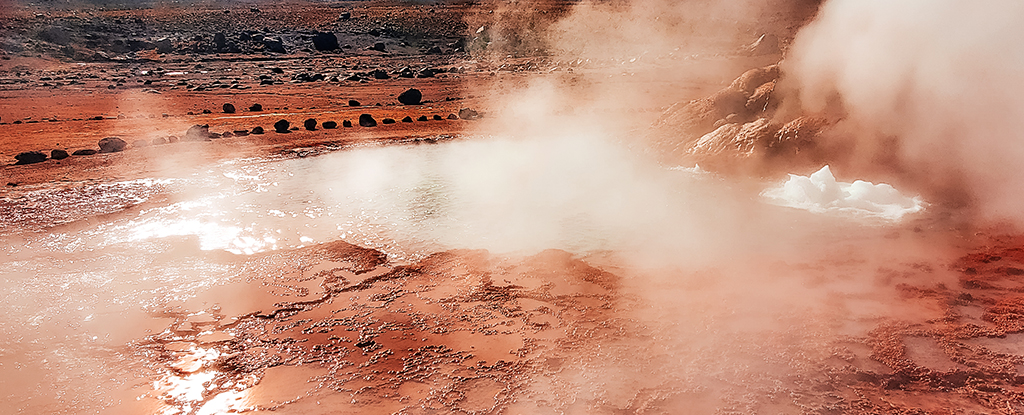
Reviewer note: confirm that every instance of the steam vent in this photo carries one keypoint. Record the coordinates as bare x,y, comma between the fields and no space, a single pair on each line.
535,207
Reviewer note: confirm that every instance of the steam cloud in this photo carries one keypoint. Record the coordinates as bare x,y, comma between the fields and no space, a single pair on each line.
942,78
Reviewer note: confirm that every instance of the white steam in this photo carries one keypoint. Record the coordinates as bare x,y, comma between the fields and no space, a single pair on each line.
820,192
941,77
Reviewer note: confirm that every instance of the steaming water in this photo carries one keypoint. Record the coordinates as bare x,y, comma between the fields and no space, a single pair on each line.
74,297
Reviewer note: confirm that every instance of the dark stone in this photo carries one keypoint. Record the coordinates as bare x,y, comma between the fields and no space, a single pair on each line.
112,145
84,152
58,154
346,123
324,41
468,114
434,50
198,133
388,121
241,133
407,119
219,41
380,74
353,103
366,120
453,117
411,96
310,124
330,125
30,157
379,46
257,130
214,135
276,70
229,109
344,16
227,134
282,126
256,108
207,112
426,73
273,45
422,118
437,118
164,45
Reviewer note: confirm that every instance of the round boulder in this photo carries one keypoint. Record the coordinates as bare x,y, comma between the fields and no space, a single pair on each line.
411,96
112,145
407,119
256,108
388,121
310,124
229,109
58,154
330,125
366,120
325,41
282,126
346,123
257,130
353,103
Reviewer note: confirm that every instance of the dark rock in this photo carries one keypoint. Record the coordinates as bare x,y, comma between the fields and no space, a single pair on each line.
256,108
379,46
198,133
422,118
310,124
257,130
453,117
214,135
84,152
207,112
112,145
276,70
229,109
164,45
437,118
411,96
227,134
388,121
407,119
30,157
220,41
353,103
468,114
241,133
346,123
273,45
427,73
366,120
330,125
434,50
282,126
324,41
58,154
380,74
344,16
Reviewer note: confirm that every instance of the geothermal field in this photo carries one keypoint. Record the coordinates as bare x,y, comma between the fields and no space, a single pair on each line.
511,207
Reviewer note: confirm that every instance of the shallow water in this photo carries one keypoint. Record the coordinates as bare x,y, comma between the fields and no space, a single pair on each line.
75,297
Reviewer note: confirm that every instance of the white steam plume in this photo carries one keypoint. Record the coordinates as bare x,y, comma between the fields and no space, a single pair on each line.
941,77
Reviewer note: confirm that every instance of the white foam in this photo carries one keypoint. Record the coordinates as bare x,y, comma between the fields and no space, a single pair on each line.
821,193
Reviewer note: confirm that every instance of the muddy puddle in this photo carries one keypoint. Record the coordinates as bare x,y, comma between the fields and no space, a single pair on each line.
417,279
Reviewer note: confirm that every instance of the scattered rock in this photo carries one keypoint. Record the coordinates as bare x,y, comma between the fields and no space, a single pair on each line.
437,117
422,118
173,139
379,46
380,74
30,157
282,126
255,108
229,109
84,152
207,112
344,15
411,96
388,121
353,103
366,120
330,125
273,45
112,145
324,41
198,133
164,45
468,114
241,133
310,124
346,123
58,154
453,117
257,130
407,119
434,50
227,134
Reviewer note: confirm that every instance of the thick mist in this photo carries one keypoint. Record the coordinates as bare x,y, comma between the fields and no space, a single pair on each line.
935,82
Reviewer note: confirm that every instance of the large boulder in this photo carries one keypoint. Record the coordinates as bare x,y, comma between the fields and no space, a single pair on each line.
84,152
275,45
366,120
255,108
411,96
281,126
112,145
59,154
30,157
468,114
198,133
310,124
750,80
324,41
229,109
330,125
